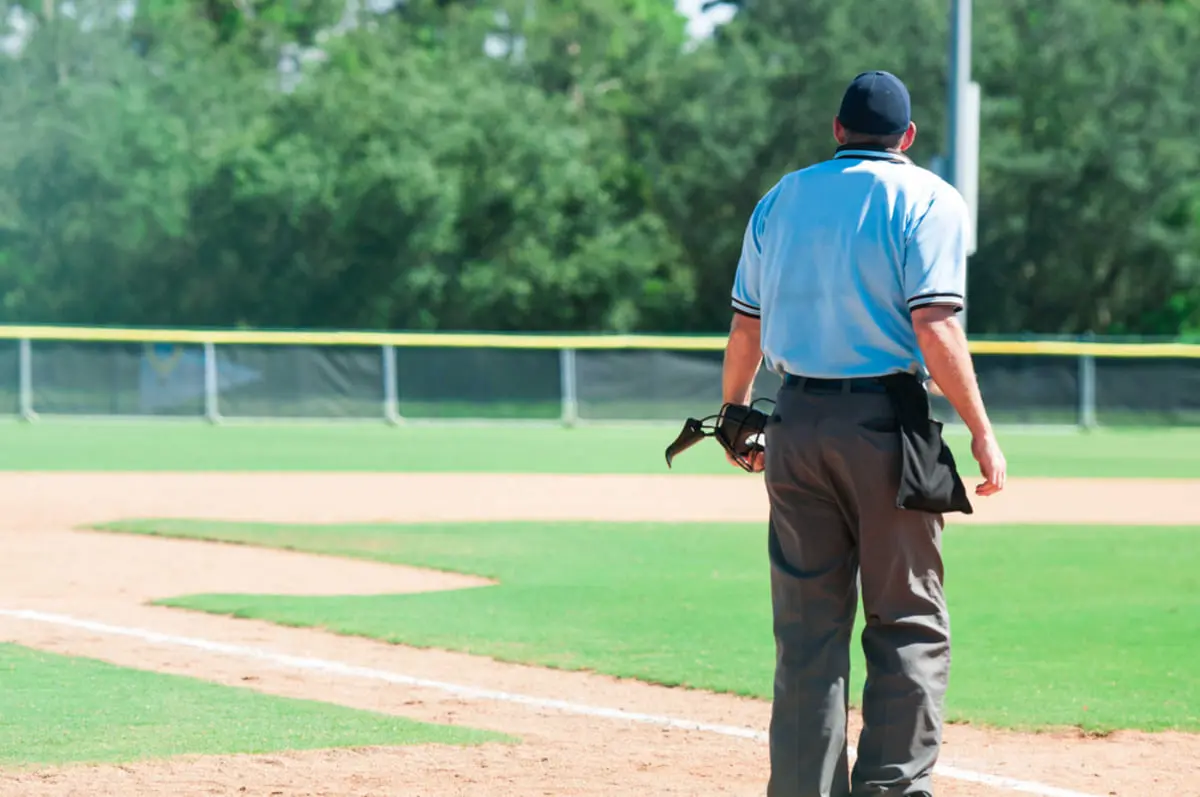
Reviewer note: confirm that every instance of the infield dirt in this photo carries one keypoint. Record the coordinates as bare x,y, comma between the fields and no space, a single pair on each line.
109,578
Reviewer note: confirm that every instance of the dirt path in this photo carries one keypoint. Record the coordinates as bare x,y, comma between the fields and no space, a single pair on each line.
108,578
55,501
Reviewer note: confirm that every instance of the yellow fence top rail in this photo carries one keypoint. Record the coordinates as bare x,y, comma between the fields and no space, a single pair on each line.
530,341
1095,349
406,339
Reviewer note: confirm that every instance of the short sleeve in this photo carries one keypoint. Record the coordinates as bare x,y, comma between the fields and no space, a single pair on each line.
935,261
746,281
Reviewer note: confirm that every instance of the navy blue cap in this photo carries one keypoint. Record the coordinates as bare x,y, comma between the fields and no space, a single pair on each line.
877,104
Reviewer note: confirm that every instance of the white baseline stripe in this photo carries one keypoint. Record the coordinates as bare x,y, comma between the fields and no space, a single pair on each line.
476,693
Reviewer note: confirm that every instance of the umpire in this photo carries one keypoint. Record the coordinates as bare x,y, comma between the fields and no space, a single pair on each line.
851,276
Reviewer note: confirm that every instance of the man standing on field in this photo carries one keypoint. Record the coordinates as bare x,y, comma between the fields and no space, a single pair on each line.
851,276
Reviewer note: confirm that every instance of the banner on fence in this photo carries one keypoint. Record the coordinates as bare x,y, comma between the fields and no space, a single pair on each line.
172,375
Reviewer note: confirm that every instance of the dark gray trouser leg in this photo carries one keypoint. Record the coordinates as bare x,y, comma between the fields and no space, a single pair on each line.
832,483
814,595
906,641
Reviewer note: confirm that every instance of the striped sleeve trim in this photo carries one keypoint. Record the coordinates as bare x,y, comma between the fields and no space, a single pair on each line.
746,309
926,299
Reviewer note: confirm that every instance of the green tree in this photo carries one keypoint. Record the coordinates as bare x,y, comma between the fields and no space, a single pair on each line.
423,188
527,164
1088,175
103,149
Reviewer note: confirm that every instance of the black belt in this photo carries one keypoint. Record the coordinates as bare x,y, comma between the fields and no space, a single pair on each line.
862,384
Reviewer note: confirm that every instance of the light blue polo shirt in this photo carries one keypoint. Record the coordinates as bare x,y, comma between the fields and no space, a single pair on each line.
836,255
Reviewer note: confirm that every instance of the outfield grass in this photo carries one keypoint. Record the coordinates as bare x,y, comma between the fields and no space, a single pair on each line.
1097,627
167,446
57,710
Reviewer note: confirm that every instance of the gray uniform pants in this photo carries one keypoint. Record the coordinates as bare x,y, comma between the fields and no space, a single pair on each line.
832,470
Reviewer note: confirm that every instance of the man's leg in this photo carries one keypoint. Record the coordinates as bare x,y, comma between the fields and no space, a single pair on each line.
814,595
906,641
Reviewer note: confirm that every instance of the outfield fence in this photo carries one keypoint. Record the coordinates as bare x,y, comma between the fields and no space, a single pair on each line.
398,377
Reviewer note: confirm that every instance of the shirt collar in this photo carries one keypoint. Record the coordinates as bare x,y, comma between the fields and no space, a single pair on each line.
874,152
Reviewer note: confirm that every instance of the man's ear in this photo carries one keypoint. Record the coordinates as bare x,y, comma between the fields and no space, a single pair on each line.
909,136
839,132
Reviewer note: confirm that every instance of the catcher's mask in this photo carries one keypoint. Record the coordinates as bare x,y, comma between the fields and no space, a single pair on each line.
737,427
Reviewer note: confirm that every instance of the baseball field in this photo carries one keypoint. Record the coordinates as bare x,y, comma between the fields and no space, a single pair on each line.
484,610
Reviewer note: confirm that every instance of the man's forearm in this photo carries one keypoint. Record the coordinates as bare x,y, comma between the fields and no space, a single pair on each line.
944,345
743,355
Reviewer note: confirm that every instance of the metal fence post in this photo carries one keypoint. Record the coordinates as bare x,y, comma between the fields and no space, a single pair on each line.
1087,390
212,387
391,392
25,380
570,398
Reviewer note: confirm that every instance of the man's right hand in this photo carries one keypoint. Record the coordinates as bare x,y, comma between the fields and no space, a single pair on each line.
992,465
757,460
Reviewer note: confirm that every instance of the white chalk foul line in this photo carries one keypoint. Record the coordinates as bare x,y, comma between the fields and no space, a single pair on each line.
476,693
368,673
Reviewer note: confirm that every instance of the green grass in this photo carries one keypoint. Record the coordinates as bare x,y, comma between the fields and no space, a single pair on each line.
57,710
1097,627
168,446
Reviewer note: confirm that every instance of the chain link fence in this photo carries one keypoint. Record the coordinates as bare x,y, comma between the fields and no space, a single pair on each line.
495,382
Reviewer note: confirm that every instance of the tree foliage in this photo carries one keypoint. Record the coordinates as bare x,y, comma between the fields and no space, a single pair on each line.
552,165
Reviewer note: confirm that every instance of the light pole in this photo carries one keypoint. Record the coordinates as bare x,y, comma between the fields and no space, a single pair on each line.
962,118
959,76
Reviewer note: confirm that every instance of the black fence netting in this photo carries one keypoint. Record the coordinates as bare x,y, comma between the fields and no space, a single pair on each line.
479,383
1147,391
69,378
1019,389
654,384
300,381
10,377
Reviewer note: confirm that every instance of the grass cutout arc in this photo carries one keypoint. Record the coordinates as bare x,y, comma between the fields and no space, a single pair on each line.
688,605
